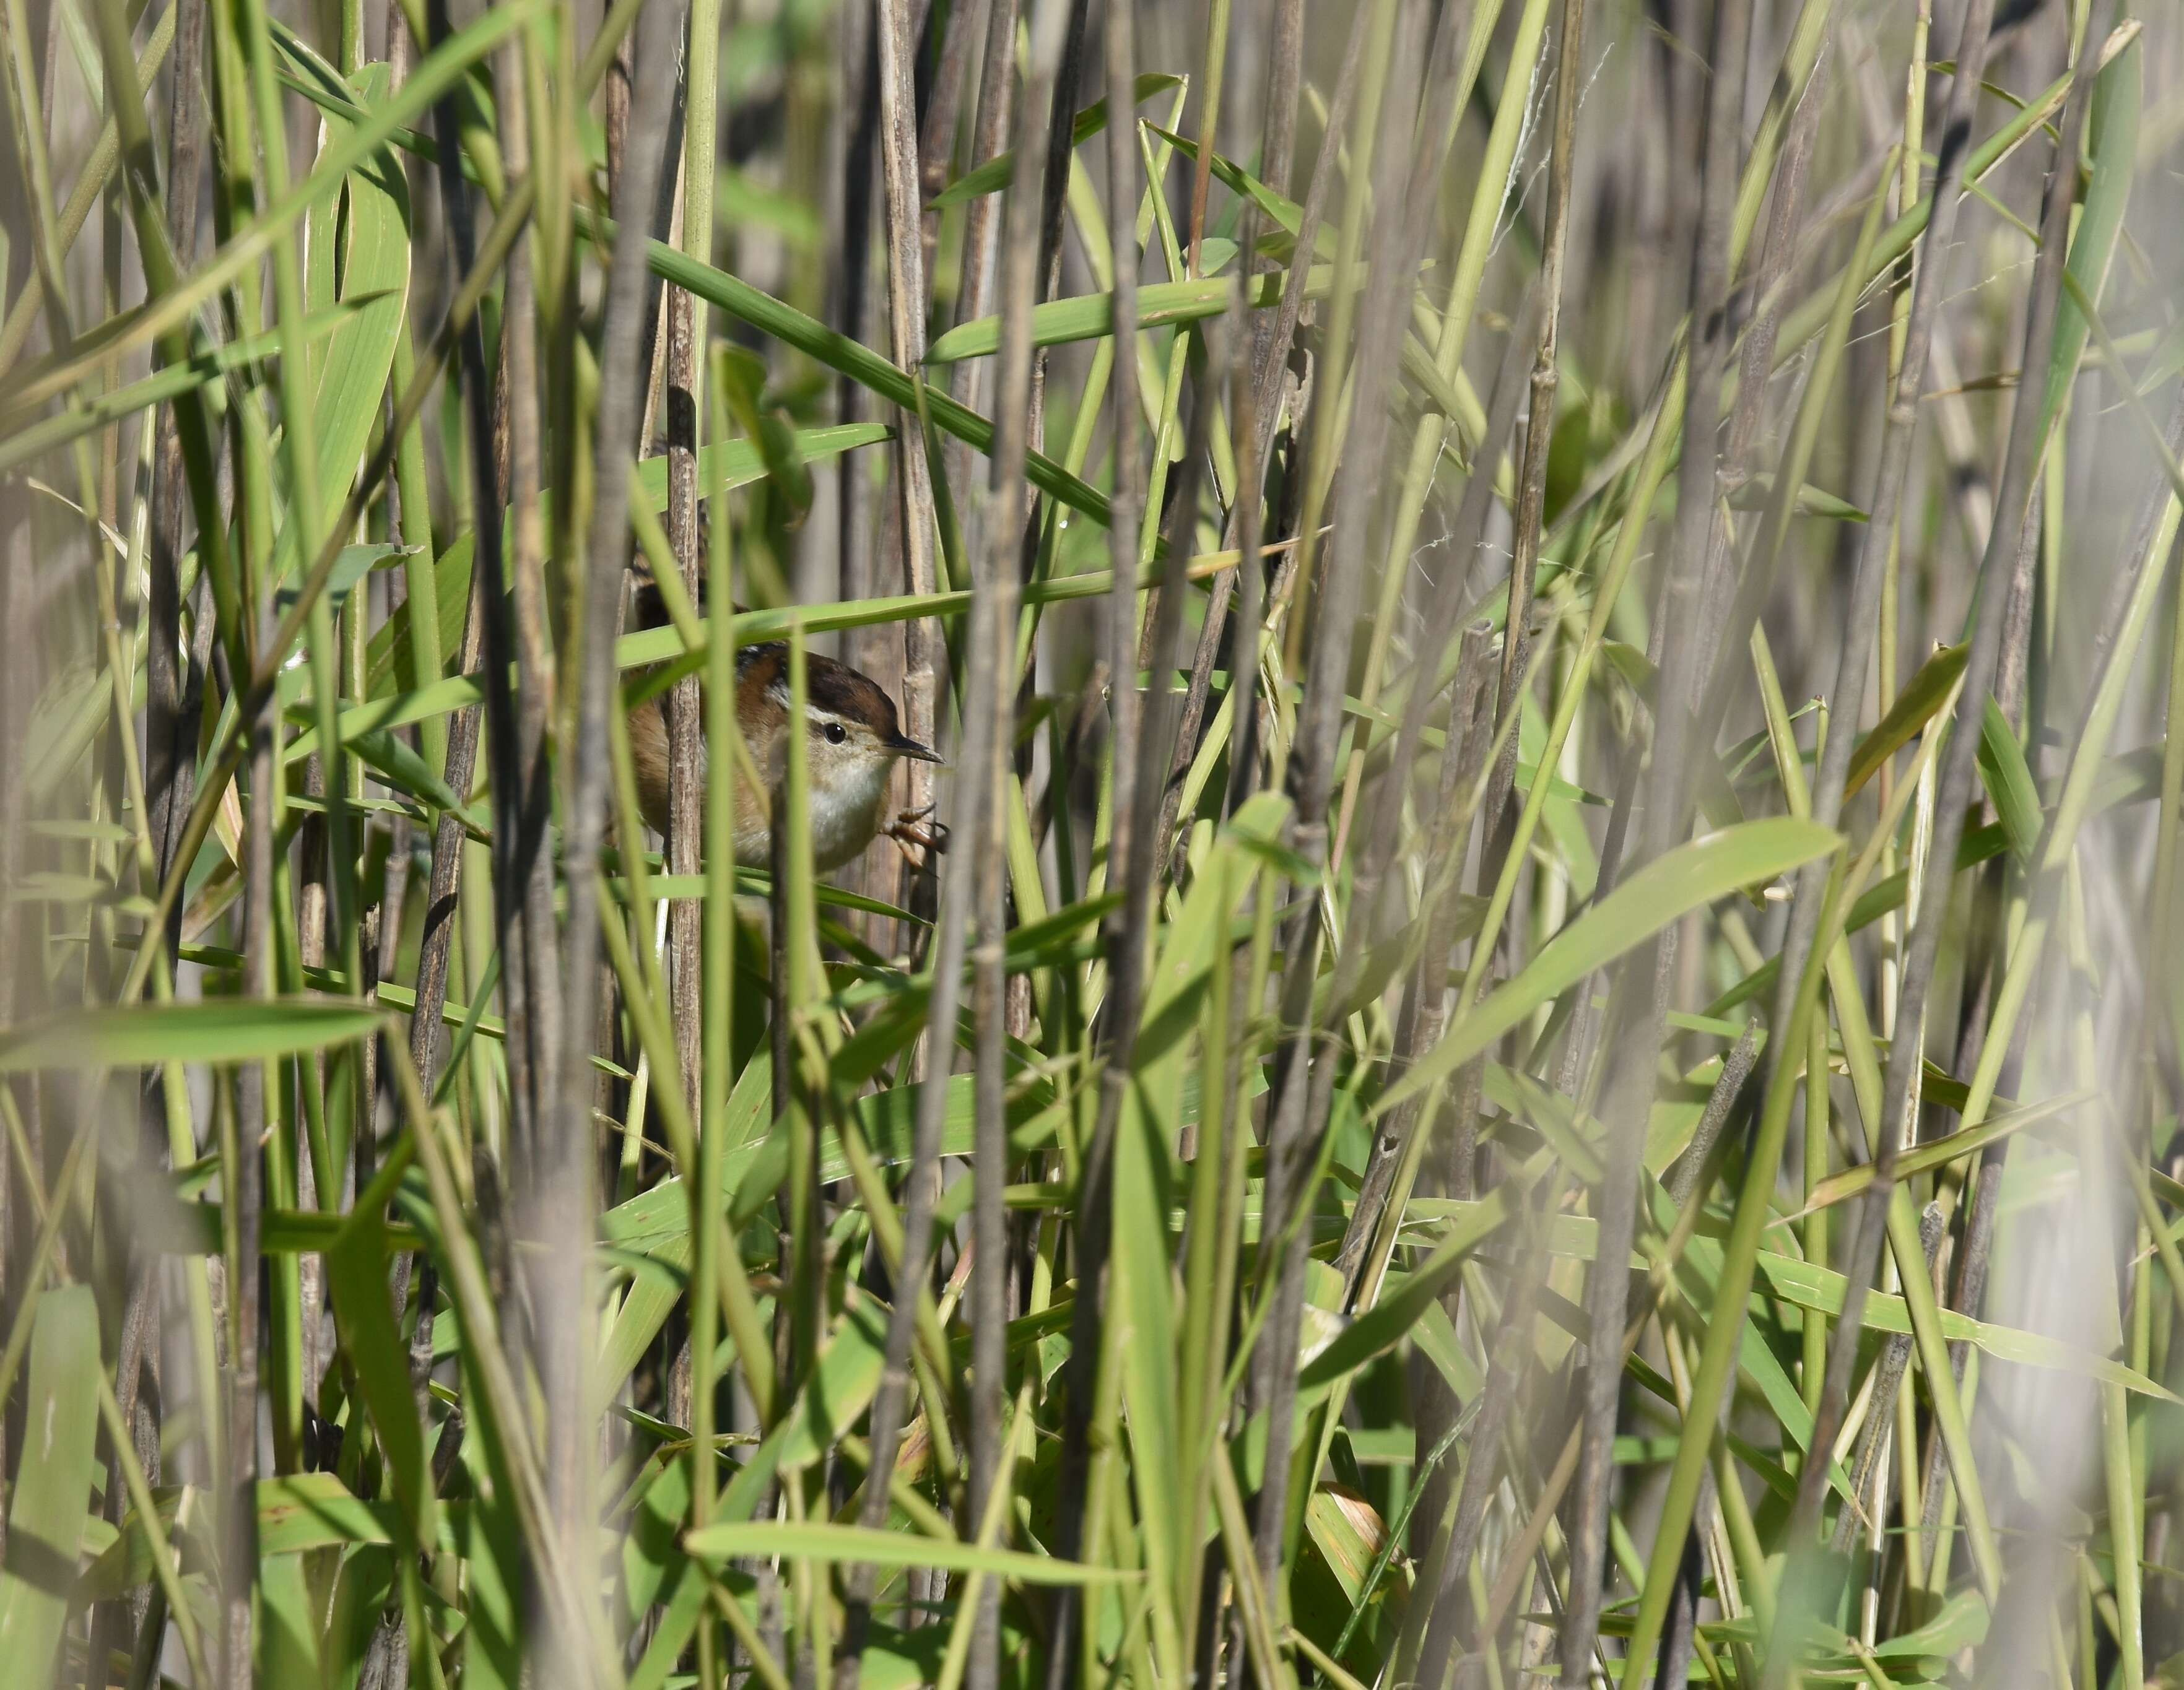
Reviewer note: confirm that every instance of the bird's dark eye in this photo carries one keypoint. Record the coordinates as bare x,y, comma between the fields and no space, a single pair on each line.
835,735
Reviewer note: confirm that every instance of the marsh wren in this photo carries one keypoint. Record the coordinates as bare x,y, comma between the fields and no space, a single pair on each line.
853,741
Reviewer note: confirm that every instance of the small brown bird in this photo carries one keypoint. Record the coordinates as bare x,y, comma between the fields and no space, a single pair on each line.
854,740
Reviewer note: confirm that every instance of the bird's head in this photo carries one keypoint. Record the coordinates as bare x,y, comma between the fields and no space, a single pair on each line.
852,729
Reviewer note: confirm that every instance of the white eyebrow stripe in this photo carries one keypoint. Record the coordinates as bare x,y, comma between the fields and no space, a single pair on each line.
781,693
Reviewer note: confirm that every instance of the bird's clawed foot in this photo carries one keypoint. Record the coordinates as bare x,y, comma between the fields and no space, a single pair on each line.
917,827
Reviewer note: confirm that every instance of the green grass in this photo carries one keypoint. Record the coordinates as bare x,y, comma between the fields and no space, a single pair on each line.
1548,1041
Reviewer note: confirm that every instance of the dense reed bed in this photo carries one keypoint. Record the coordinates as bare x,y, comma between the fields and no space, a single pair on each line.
1546,1041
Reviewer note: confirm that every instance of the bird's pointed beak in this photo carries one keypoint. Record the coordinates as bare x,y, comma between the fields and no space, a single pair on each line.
903,746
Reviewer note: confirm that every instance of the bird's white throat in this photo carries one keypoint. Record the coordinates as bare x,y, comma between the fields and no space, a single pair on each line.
845,810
